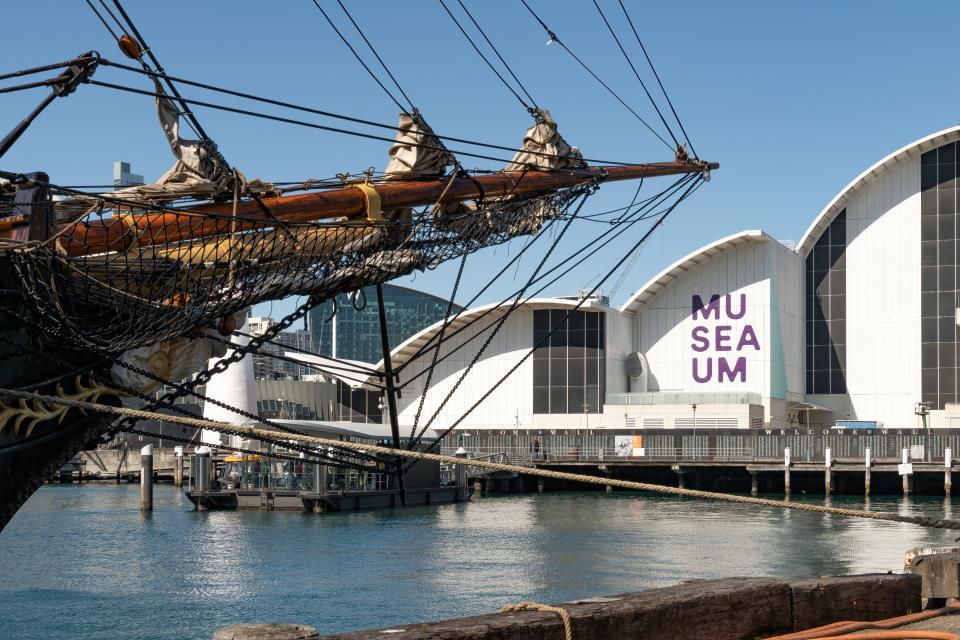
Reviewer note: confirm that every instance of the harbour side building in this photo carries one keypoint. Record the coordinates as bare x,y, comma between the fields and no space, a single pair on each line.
856,322
353,331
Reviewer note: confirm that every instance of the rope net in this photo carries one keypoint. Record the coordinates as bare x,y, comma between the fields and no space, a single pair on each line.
161,272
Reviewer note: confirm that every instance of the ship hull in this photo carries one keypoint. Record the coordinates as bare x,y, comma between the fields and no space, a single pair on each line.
36,440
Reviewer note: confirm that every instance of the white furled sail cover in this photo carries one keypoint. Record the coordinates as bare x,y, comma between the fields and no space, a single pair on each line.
543,138
198,170
408,158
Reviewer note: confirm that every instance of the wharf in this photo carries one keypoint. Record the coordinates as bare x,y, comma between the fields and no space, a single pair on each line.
266,483
726,609
817,461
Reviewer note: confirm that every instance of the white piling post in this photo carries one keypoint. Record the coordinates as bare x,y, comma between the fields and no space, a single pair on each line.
827,488
146,478
947,471
178,466
866,471
905,455
786,471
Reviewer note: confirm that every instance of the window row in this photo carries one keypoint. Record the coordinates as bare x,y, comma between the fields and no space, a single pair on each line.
569,365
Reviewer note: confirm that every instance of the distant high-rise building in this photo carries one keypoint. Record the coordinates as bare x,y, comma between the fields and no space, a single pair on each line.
354,333
122,176
265,362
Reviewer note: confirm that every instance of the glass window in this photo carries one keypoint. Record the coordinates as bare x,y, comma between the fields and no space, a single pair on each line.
575,372
928,252
948,352
826,309
948,277
541,399
948,329
947,154
837,382
576,399
928,354
558,399
541,321
573,362
946,251
821,382
947,380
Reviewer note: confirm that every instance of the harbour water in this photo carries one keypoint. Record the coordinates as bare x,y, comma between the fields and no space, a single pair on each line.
82,562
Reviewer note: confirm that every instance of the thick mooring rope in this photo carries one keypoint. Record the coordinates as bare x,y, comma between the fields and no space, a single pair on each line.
530,605
255,433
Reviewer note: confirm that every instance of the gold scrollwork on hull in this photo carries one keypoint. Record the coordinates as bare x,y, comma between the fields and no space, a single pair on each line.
27,415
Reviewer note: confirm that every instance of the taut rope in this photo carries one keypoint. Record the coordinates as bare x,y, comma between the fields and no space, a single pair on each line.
254,433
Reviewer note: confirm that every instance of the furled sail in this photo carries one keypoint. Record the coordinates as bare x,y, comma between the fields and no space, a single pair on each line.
544,148
417,152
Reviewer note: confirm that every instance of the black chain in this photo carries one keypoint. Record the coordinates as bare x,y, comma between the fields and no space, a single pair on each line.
203,377
126,424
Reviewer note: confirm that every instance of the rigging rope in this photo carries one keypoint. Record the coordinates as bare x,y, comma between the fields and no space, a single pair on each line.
103,20
554,38
503,319
690,189
91,370
319,112
496,51
312,125
657,76
360,59
636,73
593,246
187,113
314,441
413,108
526,106
436,351
330,370
650,202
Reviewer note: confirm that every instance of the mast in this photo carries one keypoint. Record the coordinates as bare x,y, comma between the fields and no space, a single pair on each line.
156,228
391,392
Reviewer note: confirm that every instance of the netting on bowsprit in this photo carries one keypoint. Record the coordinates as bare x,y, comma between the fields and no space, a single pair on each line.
122,276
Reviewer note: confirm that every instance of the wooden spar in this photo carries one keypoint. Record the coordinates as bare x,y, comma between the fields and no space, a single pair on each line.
167,227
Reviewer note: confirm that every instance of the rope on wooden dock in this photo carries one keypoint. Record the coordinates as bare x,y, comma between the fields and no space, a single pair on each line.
530,605
255,433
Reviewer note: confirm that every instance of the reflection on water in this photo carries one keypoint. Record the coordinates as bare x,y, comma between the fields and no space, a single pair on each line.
82,562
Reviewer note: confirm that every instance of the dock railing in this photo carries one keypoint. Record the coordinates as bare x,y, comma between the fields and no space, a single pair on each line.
754,446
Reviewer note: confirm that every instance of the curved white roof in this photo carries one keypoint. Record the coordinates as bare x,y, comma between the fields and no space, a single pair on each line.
688,262
409,347
837,205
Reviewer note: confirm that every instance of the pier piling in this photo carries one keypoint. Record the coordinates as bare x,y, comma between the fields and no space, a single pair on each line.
754,484
827,488
178,466
947,471
539,485
906,477
866,471
146,478
786,471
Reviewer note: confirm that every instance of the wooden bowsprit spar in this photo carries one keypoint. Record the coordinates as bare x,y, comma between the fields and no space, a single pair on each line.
350,202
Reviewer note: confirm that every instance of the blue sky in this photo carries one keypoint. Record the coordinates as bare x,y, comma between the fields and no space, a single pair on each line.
794,99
